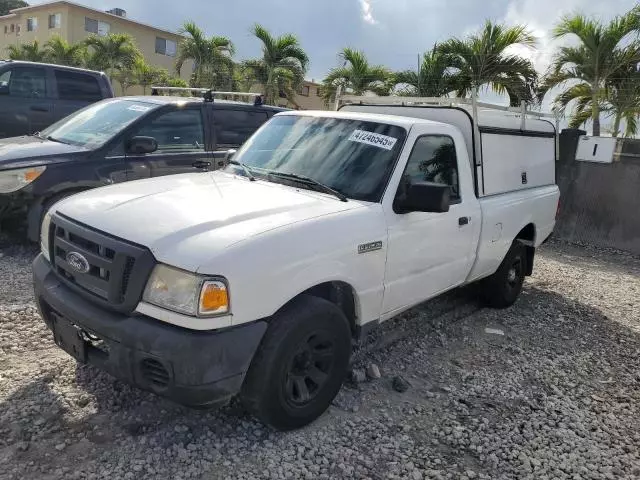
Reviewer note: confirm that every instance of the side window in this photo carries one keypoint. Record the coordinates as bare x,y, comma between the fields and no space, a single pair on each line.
177,131
25,82
433,159
234,126
77,86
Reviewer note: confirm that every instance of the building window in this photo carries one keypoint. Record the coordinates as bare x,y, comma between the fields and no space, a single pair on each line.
55,20
18,28
32,24
319,92
13,28
101,29
6,29
166,47
304,91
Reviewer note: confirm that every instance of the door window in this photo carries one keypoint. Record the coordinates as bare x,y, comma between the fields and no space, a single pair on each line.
26,82
77,86
234,126
176,131
433,159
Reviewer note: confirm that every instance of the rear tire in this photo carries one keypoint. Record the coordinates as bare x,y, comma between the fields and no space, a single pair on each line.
300,364
501,290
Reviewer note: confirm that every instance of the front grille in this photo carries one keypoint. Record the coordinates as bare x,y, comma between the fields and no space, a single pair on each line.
106,269
154,372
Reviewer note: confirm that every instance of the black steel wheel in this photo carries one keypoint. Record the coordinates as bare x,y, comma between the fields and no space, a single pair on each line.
502,289
300,365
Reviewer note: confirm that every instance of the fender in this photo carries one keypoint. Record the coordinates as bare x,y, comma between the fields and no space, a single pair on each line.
35,213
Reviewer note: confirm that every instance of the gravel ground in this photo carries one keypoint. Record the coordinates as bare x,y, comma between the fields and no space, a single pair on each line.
547,389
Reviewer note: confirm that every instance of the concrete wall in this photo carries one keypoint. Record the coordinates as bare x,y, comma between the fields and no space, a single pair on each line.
600,203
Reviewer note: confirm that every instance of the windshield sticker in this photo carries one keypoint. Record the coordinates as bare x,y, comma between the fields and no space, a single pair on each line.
139,108
374,139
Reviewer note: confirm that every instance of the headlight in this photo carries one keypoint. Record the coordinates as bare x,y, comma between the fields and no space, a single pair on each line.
186,293
14,180
44,235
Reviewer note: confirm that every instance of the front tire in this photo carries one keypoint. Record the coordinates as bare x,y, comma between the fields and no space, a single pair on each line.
501,290
300,365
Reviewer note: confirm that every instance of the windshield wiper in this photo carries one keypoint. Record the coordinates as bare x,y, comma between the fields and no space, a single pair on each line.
247,170
52,139
310,181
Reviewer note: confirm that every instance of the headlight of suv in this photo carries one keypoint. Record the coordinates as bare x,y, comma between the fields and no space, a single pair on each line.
14,180
44,235
186,293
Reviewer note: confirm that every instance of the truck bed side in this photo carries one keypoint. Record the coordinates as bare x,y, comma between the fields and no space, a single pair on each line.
505,217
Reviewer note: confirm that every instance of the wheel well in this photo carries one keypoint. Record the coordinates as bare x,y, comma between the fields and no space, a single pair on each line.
36,211
527,236
340,294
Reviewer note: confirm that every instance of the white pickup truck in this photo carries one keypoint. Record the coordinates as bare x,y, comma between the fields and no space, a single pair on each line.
256,279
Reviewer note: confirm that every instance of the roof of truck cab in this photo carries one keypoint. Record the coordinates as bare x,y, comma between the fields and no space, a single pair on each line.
27,63
400,121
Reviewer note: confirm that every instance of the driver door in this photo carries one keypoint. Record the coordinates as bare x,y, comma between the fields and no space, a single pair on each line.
181,138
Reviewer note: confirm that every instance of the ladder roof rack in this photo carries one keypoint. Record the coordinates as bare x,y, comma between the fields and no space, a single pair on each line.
434,101
208,94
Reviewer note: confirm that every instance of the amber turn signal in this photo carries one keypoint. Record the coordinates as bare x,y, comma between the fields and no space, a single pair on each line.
214,298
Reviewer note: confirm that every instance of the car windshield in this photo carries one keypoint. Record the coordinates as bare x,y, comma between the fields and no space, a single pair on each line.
98,123
353,157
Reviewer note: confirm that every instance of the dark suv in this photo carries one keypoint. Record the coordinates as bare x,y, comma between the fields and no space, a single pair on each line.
35,95
117,140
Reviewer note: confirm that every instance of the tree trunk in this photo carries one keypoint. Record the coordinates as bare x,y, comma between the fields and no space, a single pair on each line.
616,124
595,114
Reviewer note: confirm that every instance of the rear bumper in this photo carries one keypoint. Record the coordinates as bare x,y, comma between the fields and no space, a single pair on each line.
193,368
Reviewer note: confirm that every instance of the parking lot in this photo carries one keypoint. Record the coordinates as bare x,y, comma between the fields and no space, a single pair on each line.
547,389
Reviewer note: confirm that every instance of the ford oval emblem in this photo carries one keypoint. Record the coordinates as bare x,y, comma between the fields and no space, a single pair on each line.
78,262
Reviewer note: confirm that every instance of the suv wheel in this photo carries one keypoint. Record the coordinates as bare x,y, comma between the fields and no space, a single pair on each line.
300,365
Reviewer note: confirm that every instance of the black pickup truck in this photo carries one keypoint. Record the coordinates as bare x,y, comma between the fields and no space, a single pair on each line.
36,95
118,140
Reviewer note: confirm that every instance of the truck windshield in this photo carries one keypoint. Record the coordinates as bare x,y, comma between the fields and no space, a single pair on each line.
98,123
352,157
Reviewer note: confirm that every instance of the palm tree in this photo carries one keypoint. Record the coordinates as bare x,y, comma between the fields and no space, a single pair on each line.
60,52
433,79
357,76
115,51
282,67
126,78
30,51
211,56
482,60
147,75
623,100
596,59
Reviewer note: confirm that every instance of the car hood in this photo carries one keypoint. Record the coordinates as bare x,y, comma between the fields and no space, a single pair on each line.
218,209
21,152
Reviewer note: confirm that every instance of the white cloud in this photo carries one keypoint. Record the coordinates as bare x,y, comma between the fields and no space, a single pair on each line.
367,13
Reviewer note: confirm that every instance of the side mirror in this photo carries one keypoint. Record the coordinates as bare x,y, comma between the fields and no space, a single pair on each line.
423,197
141,145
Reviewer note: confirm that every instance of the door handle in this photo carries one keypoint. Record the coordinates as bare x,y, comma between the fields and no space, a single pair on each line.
201,164
462,221
36,108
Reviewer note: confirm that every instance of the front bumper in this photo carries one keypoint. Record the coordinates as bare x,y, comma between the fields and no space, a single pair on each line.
194,368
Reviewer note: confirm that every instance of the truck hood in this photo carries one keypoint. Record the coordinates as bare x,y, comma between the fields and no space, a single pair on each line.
216,209
21,152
